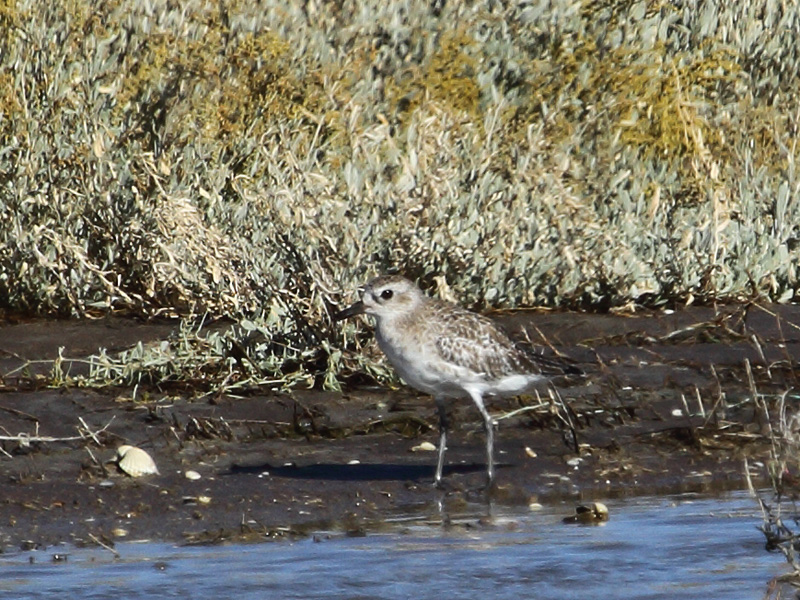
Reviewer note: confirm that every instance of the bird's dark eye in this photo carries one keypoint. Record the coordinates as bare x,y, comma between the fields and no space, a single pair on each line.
386,294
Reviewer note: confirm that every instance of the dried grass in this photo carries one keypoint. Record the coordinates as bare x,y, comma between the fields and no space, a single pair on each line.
260,162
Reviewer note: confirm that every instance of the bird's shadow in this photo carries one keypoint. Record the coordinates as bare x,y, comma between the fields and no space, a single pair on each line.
356,472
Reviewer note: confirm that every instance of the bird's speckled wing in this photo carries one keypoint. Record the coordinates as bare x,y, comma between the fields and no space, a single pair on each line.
474,342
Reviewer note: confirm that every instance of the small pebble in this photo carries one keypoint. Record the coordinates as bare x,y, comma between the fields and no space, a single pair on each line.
597,512
424,447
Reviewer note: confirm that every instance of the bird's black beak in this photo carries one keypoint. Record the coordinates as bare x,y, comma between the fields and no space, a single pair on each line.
356,309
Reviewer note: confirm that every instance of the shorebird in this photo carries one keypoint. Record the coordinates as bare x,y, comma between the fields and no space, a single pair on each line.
449,352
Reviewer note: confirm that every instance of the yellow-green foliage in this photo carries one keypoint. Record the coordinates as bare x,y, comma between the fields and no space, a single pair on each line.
261,160
449,78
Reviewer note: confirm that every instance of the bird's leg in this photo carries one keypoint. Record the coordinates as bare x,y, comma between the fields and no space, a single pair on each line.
488,425
440,405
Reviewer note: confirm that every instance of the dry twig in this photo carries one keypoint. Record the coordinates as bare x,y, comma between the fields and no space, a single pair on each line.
25,438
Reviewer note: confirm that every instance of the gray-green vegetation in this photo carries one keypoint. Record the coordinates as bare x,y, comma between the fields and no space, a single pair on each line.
259,161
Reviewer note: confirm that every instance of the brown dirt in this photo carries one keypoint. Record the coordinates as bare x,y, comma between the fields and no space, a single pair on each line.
278,465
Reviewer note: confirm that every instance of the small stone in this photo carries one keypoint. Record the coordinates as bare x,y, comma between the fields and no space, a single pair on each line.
595,513
424,447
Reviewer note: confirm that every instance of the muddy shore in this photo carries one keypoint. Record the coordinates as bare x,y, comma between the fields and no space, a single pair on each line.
666,406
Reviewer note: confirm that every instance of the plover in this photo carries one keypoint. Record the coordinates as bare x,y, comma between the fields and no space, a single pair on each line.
449,352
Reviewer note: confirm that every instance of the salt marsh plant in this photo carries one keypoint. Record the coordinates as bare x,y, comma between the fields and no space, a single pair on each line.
260,161
779,504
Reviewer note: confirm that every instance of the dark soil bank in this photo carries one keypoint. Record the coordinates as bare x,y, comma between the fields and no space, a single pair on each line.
666,406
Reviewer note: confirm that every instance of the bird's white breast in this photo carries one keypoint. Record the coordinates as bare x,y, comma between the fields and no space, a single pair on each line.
417,363
420,365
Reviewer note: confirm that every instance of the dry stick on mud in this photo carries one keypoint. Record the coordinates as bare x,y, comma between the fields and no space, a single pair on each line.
19,413
524,409
700,403
712,414
97,462
26,438
97,541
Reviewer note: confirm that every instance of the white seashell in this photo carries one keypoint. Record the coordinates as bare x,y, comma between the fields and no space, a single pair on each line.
193,475
424,447
530,452
135,462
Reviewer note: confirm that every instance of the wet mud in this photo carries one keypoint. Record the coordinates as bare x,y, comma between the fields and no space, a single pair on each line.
666,406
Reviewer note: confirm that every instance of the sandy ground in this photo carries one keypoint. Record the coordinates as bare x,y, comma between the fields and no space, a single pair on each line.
666,407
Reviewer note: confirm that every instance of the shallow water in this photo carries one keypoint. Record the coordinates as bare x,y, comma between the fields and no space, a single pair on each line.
683,546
